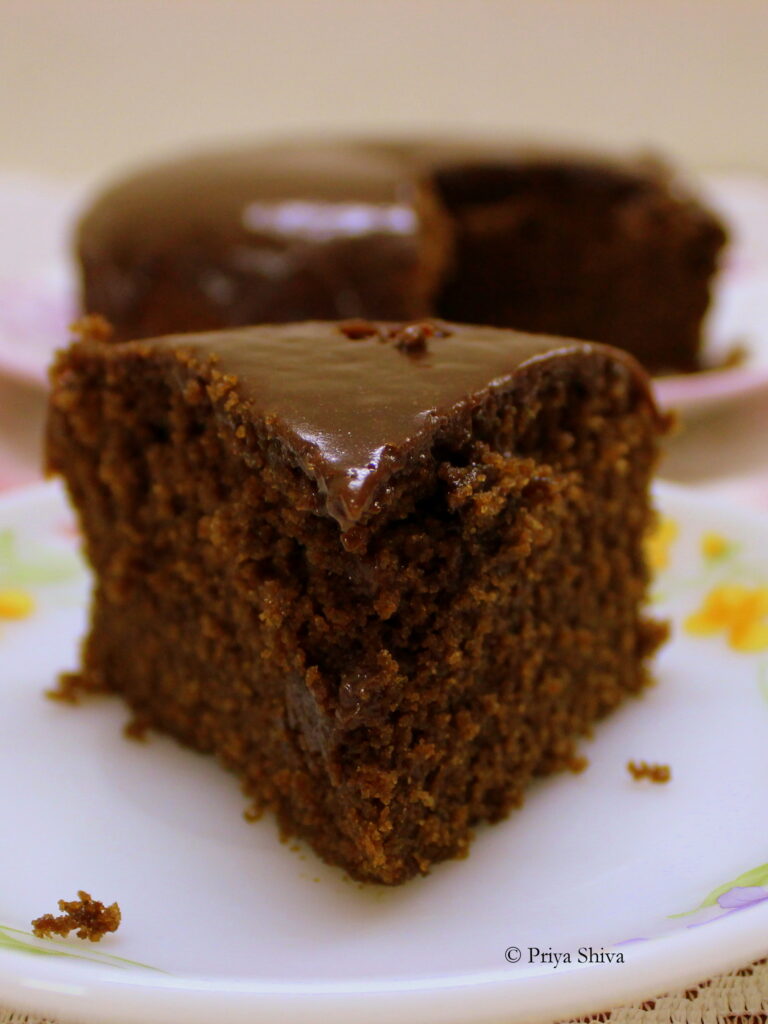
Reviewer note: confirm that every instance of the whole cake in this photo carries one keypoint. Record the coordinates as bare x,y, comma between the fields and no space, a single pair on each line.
387,607
554,242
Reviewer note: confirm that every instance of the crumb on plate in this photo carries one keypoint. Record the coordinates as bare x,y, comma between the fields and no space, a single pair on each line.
653,772
91,919
70,687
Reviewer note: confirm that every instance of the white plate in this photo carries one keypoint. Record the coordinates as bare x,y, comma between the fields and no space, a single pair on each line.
38,288
234,926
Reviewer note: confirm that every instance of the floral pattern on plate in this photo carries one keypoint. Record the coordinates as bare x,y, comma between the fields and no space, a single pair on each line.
733,609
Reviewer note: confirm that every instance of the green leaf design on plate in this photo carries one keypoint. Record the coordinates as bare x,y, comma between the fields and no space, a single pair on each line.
16,941
8,941
36,569
757,876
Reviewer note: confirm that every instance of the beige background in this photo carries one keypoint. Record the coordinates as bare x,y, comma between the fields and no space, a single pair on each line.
87,85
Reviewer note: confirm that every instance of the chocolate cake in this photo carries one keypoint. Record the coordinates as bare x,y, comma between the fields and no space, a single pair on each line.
387,573
563,243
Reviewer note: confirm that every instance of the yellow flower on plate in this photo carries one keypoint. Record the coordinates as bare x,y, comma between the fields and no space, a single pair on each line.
714,545
15,604
659,542
740,612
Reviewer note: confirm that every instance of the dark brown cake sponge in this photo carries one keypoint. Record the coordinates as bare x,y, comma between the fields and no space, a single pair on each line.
388,607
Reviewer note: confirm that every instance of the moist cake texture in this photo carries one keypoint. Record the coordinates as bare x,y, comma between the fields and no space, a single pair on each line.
566,243
387,573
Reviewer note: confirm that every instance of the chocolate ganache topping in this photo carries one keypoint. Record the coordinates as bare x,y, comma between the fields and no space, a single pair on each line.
314,190
353,402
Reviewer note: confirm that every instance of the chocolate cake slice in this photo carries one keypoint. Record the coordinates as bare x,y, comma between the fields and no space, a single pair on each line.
563,242
387,573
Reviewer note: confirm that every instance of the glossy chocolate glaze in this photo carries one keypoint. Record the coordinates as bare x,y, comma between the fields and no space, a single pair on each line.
354,405
315,190
264,234
290,190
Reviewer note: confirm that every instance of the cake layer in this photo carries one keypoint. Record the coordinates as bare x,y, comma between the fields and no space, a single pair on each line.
384,660
355,402
557,242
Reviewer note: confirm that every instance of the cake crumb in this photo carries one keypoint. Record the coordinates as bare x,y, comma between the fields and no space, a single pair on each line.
68,689
653,772
91,919
93,327
577,764
71,686
412,338
137,728
356,330
735,356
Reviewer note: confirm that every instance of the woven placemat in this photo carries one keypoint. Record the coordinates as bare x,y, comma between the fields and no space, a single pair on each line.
739,997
